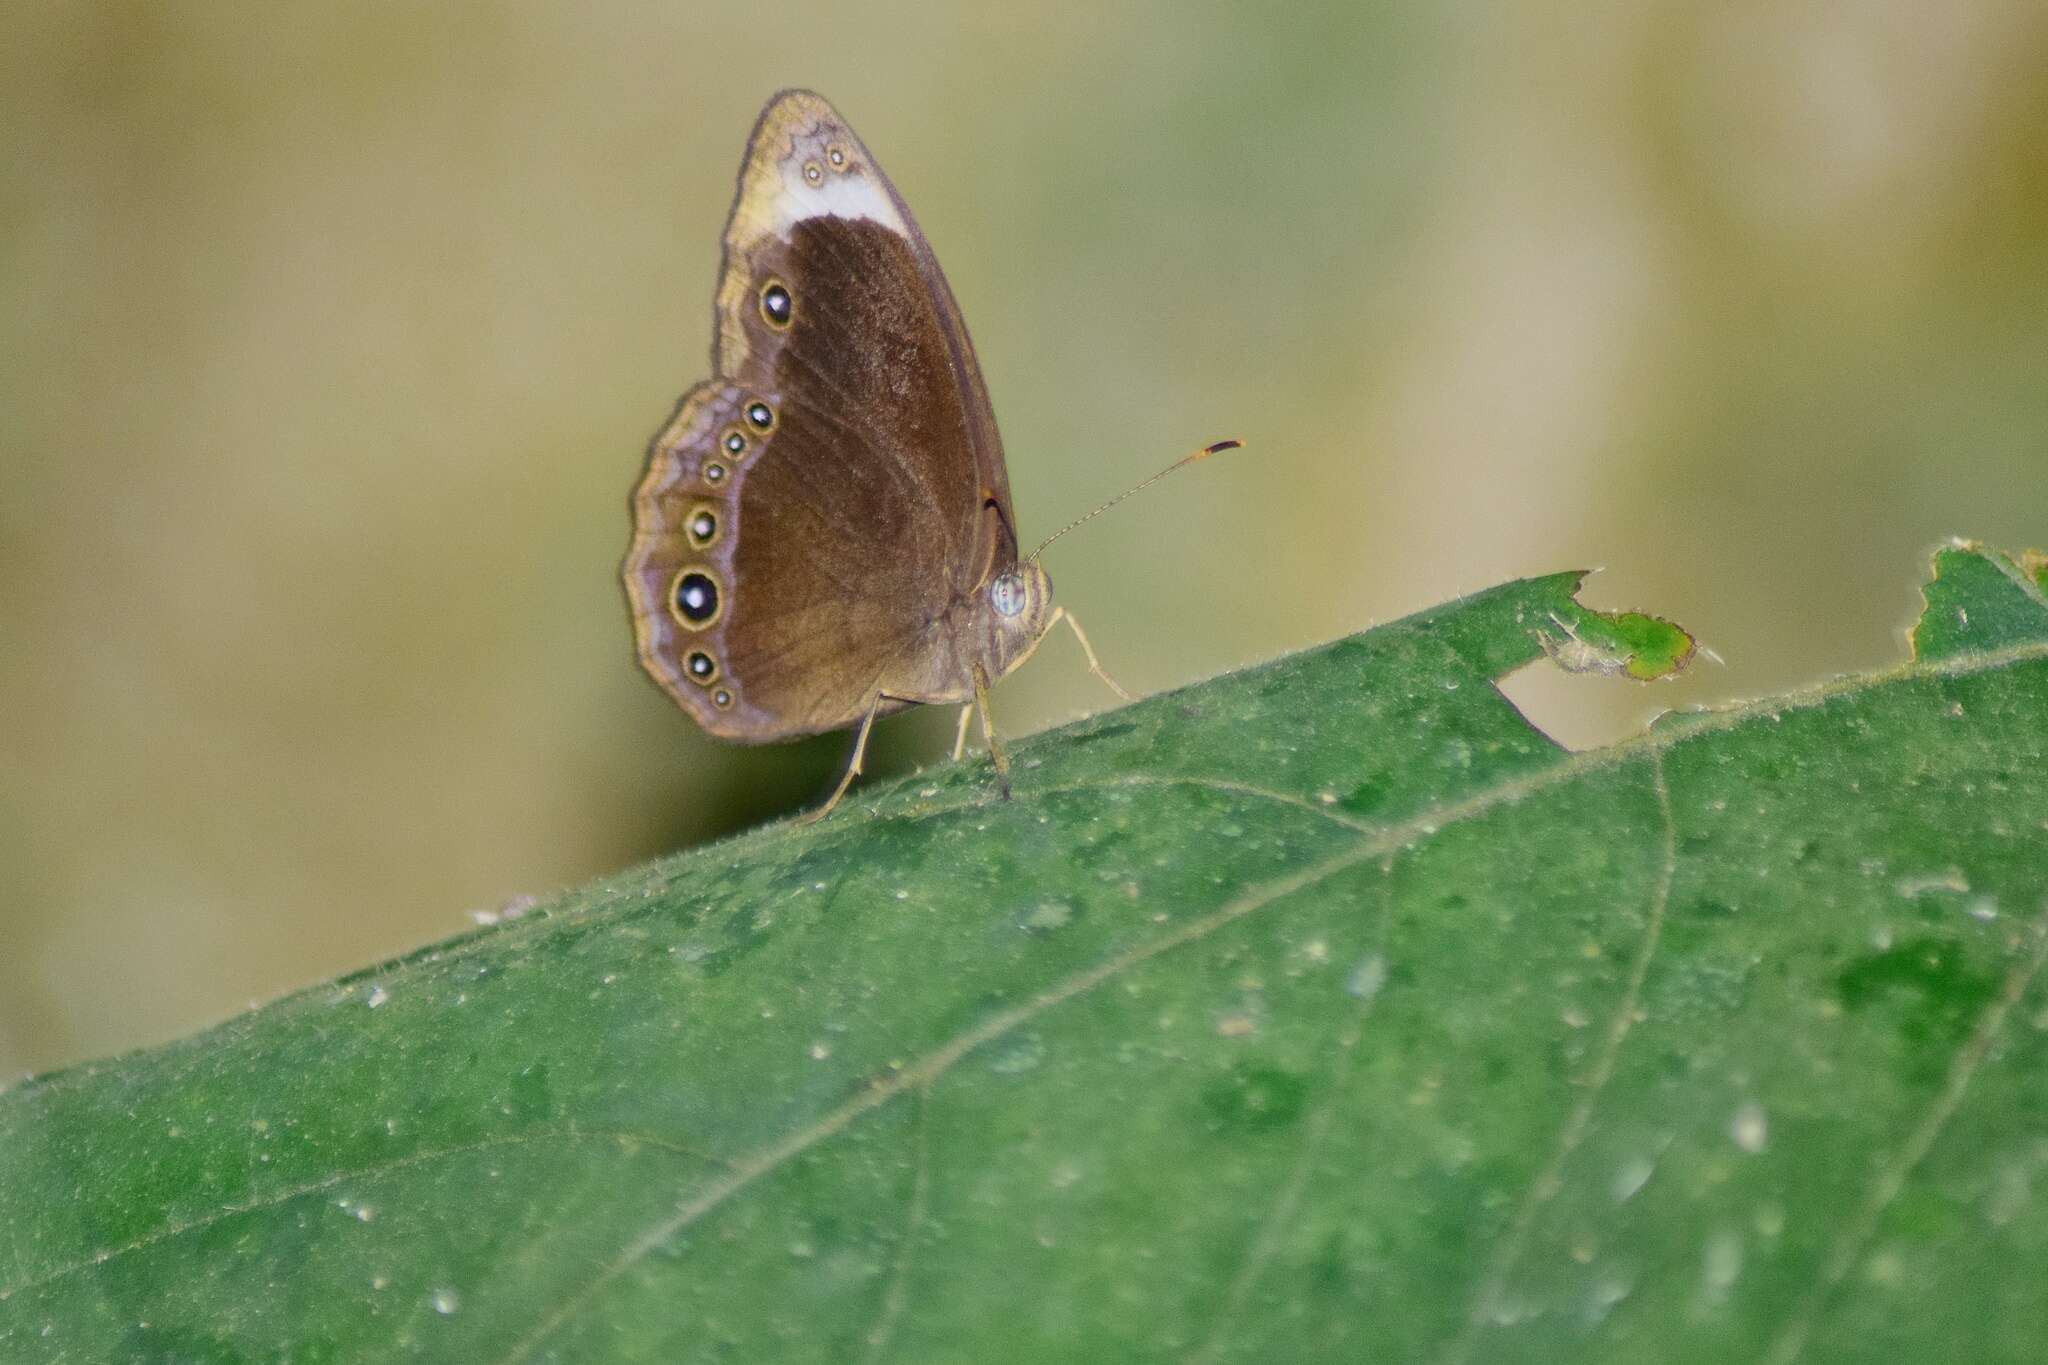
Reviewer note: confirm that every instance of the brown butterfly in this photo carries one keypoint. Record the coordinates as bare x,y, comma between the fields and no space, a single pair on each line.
824,533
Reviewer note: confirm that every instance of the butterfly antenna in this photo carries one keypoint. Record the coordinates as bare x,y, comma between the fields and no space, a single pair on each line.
1204,453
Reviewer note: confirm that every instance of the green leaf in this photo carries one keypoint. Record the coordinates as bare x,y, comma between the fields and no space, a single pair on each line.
1980,601
1323,1011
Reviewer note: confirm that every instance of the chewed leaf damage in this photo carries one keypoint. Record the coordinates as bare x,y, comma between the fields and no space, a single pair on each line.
1630,644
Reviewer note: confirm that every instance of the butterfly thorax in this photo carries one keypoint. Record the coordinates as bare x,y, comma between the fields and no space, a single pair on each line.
992,628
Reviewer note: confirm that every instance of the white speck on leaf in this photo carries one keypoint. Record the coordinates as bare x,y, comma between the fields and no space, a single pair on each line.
376,995
1509,1310
1632,1175
1047,917
1023,1055
1749,1129
1604,1295
1720,1265
445,1302
1950,879
1367,977
2011,1191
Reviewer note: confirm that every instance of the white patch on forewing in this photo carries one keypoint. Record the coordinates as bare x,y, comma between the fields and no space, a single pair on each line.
843,194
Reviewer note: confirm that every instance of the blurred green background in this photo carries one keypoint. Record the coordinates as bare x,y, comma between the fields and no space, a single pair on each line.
334,335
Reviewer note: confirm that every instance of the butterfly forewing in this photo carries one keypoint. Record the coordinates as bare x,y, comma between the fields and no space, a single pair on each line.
812,513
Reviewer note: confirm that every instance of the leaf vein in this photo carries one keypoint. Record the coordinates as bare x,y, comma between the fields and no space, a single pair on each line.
1848,1248
1545,1185
371,1172
1287,1197
898,1293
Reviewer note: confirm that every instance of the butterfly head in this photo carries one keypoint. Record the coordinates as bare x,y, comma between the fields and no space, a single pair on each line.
1019,608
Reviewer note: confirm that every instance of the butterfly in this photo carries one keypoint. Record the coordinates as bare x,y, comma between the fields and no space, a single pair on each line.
824,532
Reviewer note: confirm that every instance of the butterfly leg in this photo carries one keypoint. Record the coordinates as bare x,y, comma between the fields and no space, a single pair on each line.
988,733
853,765
960,735
1060,614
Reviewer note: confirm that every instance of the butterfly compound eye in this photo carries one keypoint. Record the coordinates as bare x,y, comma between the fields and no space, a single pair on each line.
1007,595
